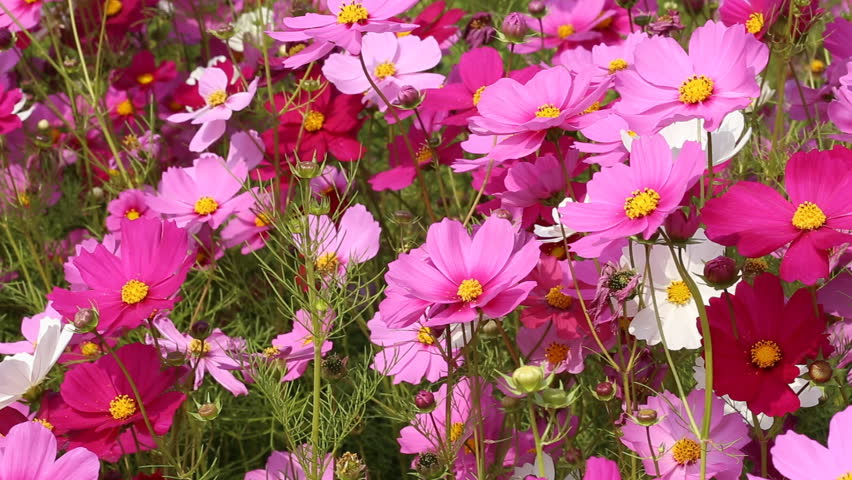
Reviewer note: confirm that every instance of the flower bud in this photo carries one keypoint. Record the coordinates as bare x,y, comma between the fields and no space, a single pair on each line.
7,39
334,367
97,192
509,403
646,417
175,359
491,329
573,455
554,397
307,170
721,272
85,320
349,467
43,124
428,465
408,97
680,227
537,8
604,391
515,27
528,379
502,213
403,217
208,411
223,32
424,400
820,371
200,330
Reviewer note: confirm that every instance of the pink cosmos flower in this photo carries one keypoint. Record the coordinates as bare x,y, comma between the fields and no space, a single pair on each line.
567,23
554,301
10,103
144,73
758,16
524,112
213,86
127,288
72,274
411,354
250,227
676,447
604,59
393,62
534,189
296,348
335,248
758,220
463,275
349,19
131,205
838,38
598,468
839,108
204,193
667,85
543,346
288,466
23,14
28,452
797,457
217,354
605,131
403,168
635,199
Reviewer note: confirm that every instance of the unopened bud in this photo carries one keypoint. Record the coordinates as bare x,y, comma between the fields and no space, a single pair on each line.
820,371
85,320
349,467
604,391
491,329
403,217
175,359
509,403
208,411
200,330
721,272
7,39
537,8
43,124
424,400
515,27
334,367
681,227
408,97
428,465
307,170
528,379
646,417
97,192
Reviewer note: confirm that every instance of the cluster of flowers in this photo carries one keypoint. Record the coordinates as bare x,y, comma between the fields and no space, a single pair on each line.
645,245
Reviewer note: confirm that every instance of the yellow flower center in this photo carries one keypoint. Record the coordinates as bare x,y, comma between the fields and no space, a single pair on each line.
604,24
564,31
456,431
695,89
132,214
817,66
296,49
206,206
145,78
469,290
548,110
133,292
384,70
30,2
616,65
270,352
424,336
90,349
198,348
556,299
424,155
262,220
314,121
678,293
555,353
593,107
124,108
641,203
755,266
765,354
352,13
755,23
477,95
217,98
632,134
44,423
686,451
130,142
122,407
808,216
845,476
113,7
327,263
24,199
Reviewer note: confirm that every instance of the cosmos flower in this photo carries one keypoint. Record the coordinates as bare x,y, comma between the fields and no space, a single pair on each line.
28,452
296,348
410,354
798,457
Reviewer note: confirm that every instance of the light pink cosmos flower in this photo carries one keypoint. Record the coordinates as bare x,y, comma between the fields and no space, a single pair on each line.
335,248
462,275
410,354
217,354
523,113
840,109
288,466
349,19
131,205
250,227
797,457
213,87
635,199
111,242
667,85
296,348
567,23
393,62
23,14
206,192
604,59
28,452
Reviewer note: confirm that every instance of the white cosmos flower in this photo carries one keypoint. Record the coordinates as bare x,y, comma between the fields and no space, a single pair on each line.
675,304
253,23
728,139
23,371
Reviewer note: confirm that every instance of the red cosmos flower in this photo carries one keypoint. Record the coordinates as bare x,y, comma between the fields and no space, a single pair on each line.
402,170
758,341
144,73
554,298
100,409
433,21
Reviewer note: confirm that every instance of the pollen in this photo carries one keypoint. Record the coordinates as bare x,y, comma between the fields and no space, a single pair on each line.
845,476
198,348
424,336
677,293
271,352
755,23
695,89
113,7
754,266
555,353
817,66
327,263
686,451
122,407
477,95
384,70
424,155
593,107
352,13
765,354
808,216
632,134
641,203
296,49
469,290
262,220
24,199
144,78
565,31
90,349
314,121
132,214
217,98
133,292
130,142
206,206
456,431
44,423
548,110
617,65
556,299
125,108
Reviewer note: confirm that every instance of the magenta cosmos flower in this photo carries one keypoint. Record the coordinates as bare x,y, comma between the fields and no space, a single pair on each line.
22,15
676,447
759,220
757,15
127,288
523,113
213,87
296,348
797,457
635,199
410,354
715,78
465,274
204,193
476,69
336,248
130,204
29,453
567,23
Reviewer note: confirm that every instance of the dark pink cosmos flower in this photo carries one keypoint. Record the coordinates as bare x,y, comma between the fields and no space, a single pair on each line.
144,72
